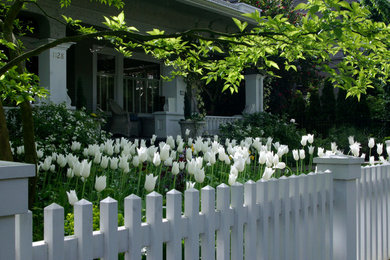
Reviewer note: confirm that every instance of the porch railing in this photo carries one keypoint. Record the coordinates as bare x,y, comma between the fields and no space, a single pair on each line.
214,122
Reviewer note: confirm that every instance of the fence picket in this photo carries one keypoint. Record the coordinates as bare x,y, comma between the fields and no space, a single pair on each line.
293,182
174,205
284,194
133,224
83,228
251,225
384,210
208,210
109,228
274,235
154,219
237,234
379,212
320,182
262,228
223,233
53,231
304,197
313,224
191,211
387,183
23,236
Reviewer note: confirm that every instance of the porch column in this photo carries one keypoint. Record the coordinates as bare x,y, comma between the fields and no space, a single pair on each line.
254,93
52,72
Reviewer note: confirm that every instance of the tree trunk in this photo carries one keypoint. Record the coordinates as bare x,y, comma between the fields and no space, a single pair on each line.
26,110
5,151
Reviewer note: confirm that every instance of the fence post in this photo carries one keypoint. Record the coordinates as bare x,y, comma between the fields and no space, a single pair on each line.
346,171
14,200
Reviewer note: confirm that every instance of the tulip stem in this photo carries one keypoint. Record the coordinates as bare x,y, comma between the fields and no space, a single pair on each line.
139,177
82,194
174,182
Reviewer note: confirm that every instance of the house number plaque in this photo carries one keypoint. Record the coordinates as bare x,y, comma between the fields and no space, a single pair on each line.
58,55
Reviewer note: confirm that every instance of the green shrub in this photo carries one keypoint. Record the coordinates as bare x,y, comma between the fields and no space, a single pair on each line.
263,125
56,127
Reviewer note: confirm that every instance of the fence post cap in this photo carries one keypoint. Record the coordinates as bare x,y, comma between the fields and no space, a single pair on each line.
338,159
16,170
343,167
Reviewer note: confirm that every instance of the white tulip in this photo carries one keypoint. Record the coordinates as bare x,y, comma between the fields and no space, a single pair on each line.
75,146
104,162
333,146
142,154
182,165
52,168
372,160
85,169
175,168
153,139
311,149
187,132
199,175
280,165
310,138
72,197
233,170
379,148
351,140
97,158
189,154
168,162
320,152
190,185
135,161
232,179
100,183
355,149
39,154
268,173
156,159
371,143
114,163
295,155
304,140
262,157
150,182
69,173
301,154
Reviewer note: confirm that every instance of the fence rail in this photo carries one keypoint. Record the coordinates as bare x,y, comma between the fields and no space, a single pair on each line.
342,215
214,122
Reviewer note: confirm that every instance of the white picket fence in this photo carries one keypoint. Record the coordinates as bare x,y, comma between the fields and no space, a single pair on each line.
214,122
338,215
374,213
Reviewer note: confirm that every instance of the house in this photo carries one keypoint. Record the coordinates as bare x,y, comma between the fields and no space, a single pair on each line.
91,73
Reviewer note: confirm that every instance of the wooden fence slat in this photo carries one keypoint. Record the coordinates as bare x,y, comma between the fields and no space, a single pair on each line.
191,211
360,193
304,196
368,231
263,227
295,207
374,212
274,235
83,228
109,228
387,218
237,202
223,233
380,212
313,220
174,205
208,210
23,236
320,182
384,211
54,231
329,222
154,219
133,224
284,194
251,225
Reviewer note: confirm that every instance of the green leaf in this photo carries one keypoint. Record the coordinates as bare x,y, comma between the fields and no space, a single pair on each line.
271,63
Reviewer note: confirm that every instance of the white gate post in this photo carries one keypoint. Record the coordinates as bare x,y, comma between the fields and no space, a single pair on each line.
14,200
346,170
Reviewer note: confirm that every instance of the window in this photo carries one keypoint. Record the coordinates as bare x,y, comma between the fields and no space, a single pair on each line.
105,80
141,86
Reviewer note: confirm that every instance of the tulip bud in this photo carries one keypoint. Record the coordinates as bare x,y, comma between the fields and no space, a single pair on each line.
72,197
150,182
100,183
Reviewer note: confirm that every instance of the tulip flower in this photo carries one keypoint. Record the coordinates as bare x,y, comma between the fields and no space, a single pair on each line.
333,146
114,163
379,149
150,182
142,154
372,160
175,168
351,140
267,173
190,185
72,197
371,143
320,152
199,175
310,138
304,140
232,179
301,154
69,173
156,159
295,155
135,161
355,149
75,146
100,183
104,162
187,132
311,149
